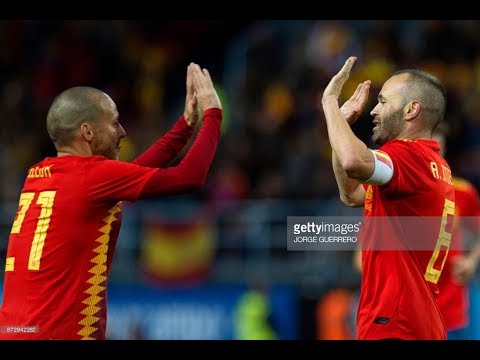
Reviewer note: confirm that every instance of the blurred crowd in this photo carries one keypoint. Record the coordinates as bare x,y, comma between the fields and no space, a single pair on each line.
284,148
140,64
271,75
274,157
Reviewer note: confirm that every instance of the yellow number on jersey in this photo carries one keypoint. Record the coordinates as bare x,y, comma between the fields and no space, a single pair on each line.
45,200
25,201
444,239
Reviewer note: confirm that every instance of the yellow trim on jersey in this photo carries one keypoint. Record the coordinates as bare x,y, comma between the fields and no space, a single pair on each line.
382,154
99,271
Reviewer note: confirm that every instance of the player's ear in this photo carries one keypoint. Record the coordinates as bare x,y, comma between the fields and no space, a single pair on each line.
411,110
86,131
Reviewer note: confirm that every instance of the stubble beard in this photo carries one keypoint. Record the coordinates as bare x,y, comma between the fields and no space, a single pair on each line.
390,128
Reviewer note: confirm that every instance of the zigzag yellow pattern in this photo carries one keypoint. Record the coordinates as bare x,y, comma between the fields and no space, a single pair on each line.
98,271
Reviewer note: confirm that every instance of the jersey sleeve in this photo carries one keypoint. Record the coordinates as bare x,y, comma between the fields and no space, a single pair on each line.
112,180
165,149
407,175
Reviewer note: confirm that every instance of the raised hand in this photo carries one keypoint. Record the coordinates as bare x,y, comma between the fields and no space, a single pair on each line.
353,107
205,92
191,113
334,87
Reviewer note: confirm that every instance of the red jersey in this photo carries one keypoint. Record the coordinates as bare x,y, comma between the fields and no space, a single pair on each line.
63,238
453,297
398,289
61,246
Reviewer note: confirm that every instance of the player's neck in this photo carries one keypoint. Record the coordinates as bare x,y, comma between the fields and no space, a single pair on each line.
62,153
73,150
415,134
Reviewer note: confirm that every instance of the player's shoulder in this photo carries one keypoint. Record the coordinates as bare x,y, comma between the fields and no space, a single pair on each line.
101,163
71,159
95,158
407,143
397,143
396,147
94,163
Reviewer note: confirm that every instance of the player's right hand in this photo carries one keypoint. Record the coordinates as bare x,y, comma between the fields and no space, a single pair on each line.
191,113
205,92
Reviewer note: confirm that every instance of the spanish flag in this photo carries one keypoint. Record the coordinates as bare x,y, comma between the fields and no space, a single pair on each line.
178,254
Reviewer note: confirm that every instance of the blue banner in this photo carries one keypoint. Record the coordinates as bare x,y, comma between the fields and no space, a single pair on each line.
222,312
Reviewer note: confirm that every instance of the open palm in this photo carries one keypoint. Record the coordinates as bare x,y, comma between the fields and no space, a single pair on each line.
353,107
334,87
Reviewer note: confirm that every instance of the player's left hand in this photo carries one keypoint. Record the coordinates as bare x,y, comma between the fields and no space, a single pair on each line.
335,86
191,113
463,268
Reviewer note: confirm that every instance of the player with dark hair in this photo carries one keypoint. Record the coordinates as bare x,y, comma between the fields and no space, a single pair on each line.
405,177
63,237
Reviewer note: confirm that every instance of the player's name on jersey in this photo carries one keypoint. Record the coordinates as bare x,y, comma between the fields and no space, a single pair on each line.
40,172
441,172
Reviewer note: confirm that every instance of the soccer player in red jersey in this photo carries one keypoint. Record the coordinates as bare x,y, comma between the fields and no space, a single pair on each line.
405,177
64,234
460,266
